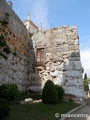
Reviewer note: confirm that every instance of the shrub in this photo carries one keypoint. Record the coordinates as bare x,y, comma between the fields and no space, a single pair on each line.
86,87
8,91
4,108
60,91
49,93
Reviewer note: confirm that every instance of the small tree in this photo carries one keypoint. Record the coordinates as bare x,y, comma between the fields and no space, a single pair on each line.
86,87
49,93
60,91
85,76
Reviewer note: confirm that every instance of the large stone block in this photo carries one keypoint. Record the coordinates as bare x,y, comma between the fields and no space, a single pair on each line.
78,74
78,65
74,82
69,73
69,65
75,91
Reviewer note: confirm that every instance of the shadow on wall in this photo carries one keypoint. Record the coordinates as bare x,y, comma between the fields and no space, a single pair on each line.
34,81
18,66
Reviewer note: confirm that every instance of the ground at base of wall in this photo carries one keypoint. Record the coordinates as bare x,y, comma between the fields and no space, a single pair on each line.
37,111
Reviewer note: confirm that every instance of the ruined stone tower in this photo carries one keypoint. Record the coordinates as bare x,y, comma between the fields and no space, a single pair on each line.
57,57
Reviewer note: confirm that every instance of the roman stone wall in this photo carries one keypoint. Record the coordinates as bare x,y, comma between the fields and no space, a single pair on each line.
62,62
14,66
18,56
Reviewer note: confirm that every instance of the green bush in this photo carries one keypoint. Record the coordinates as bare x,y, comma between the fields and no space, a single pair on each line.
4,108
86,87
60,91
8,91
49,93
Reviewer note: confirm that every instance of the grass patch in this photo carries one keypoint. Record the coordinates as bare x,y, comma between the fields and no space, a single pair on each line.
37,111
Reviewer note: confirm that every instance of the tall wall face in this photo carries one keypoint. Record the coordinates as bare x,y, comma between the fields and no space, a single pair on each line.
62,59
15,68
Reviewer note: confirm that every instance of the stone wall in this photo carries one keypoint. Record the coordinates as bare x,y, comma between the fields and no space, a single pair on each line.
62,62
15,68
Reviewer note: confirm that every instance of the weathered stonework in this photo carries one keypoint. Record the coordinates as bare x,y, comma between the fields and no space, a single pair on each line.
15,68
62,58
61,62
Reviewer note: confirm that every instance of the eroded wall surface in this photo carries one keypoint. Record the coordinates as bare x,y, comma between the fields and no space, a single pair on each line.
62,62
15,68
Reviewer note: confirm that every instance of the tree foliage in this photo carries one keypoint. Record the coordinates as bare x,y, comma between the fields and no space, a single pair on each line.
60,91
86,87
49,93
85,76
